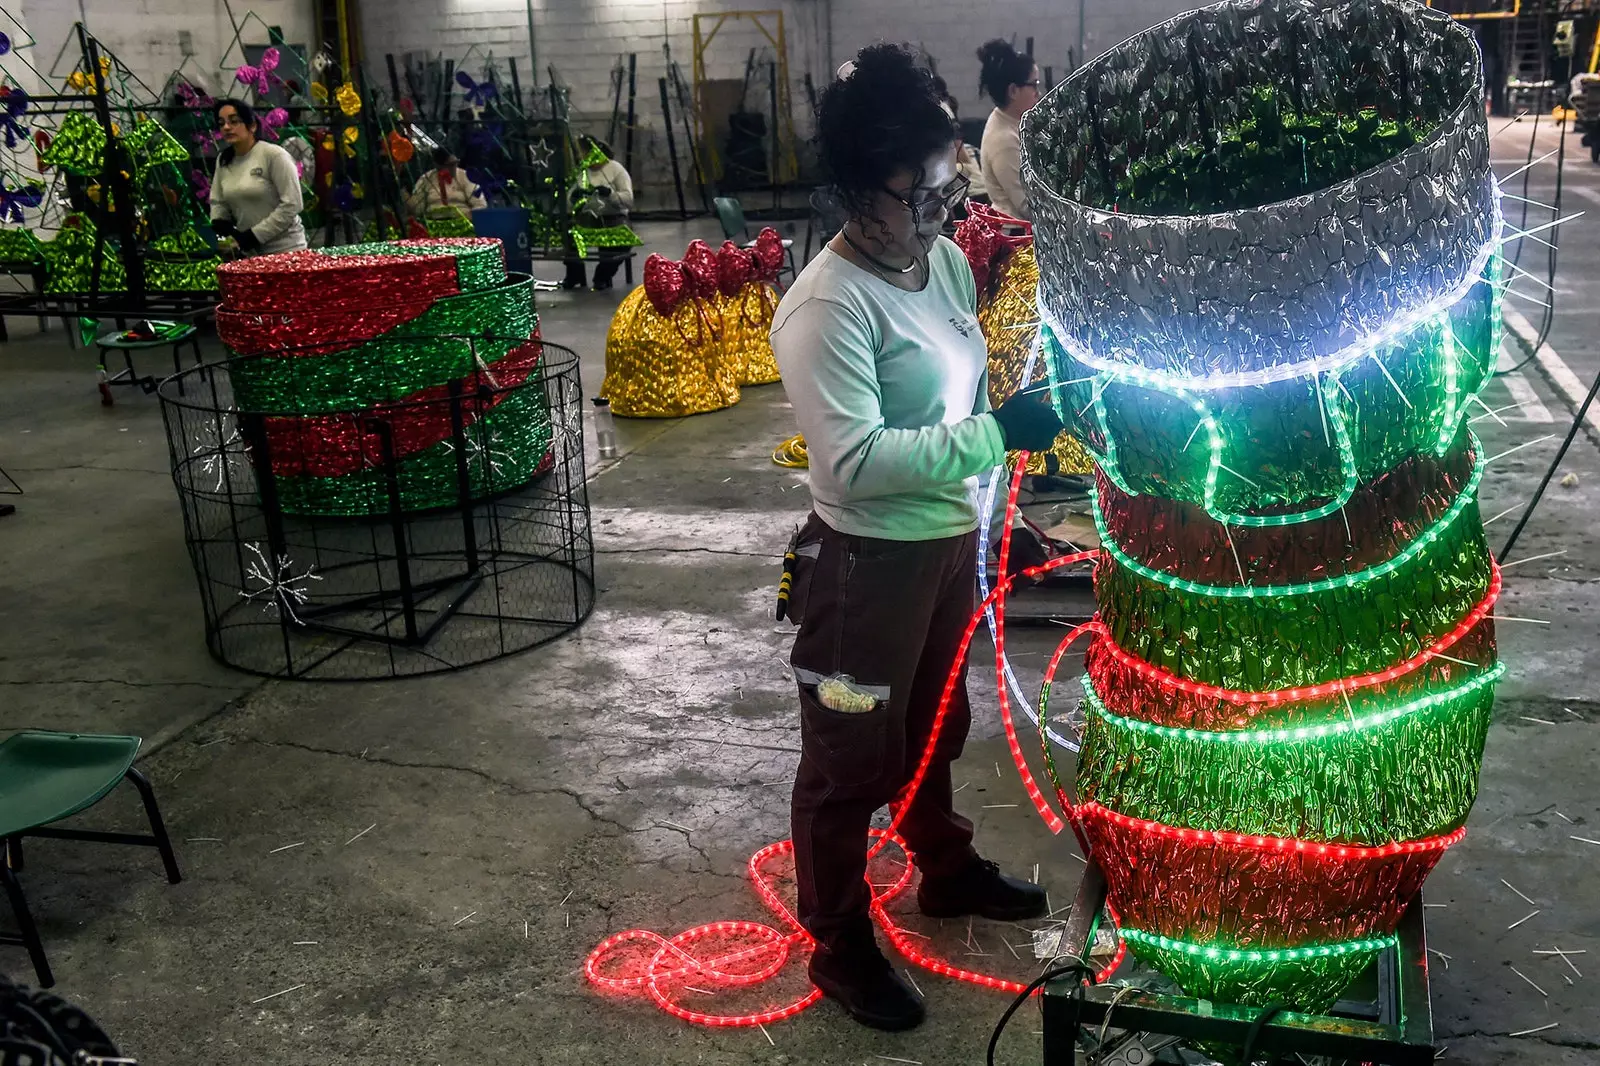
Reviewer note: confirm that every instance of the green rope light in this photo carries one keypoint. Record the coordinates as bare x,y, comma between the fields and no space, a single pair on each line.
1372,573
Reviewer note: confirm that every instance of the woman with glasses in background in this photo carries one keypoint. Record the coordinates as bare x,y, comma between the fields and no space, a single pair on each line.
1012,81
885,366
255,191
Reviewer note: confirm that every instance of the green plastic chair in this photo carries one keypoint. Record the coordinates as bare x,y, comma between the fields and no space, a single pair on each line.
45,777
730,214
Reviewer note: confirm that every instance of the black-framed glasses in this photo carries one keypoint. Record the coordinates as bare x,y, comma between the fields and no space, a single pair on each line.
1030,85
946,200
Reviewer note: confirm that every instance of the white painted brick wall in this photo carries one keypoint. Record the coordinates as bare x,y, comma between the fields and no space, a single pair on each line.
583,39
144,33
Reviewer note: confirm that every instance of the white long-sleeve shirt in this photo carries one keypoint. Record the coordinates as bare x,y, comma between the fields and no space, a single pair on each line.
429,192
1001,154
260,191
619,201
890,389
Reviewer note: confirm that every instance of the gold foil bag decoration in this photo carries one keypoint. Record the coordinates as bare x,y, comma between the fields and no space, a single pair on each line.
749,298
664,350
1007,276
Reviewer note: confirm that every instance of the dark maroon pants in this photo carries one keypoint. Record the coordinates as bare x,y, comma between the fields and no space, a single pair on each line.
890,614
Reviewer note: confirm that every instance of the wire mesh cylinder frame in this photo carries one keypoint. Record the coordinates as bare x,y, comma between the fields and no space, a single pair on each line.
464,534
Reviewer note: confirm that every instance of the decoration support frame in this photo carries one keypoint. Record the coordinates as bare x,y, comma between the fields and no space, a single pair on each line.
1395,1028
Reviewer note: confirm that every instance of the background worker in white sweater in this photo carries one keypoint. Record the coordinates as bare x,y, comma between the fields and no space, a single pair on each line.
885,366
1012,81
255,190
602,197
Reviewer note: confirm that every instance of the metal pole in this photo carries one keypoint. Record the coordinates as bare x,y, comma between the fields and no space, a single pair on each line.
633,73
516,84
1082,14
533,48
672,148
394,77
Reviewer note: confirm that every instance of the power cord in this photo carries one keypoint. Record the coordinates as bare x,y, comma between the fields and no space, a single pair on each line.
1269,1012
1547,319
1074,967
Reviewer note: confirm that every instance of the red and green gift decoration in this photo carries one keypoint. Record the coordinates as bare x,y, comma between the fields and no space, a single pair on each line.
404,369
1268,241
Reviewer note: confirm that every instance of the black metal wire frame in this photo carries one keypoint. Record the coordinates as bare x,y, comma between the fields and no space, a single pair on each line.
402,589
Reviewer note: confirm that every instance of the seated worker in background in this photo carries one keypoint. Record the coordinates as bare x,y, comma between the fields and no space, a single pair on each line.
446,185
1012,81
603,197
255,189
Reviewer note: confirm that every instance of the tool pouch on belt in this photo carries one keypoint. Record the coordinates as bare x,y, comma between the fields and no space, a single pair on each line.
799,564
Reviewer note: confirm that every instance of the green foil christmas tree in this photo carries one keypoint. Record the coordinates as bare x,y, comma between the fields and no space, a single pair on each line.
1268,238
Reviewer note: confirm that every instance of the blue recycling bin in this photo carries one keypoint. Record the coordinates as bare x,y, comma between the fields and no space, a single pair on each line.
510,226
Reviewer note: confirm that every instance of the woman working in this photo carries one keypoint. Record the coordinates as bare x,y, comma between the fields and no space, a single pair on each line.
884,363
444,186
1012,82
255,191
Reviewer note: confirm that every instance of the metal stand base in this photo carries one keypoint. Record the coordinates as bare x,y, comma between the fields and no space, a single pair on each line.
1395,1027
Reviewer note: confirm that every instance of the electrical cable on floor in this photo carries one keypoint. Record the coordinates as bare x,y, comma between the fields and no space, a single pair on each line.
1067,969
792,454
1547,319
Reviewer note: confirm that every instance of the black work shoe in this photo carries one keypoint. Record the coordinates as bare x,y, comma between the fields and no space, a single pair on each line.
982,890
862,982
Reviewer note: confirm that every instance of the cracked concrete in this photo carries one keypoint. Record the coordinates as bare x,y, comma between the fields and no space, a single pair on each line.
452,847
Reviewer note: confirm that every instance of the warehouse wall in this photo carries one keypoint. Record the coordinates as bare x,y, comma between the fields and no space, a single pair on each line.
144,34
951,31
583,39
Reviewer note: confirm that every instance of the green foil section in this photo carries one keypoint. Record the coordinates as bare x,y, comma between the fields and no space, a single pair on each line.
70,258
513,439
477,267
1278,447
1413,776
152,145
586,237
197,275
1311,984
20,246
1263,643
1274,154
431,349
79,146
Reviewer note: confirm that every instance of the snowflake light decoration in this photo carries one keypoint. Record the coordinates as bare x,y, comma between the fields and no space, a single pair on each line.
217,454
279,588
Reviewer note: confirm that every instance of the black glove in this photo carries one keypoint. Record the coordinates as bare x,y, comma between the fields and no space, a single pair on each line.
223,227
602,190
248,241
1028,422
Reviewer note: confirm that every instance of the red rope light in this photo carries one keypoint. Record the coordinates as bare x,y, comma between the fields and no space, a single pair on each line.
769,949
1160,676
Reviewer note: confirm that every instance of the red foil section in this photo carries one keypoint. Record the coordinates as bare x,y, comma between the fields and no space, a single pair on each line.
1202,889
298,282
312,332
333,445
1384,515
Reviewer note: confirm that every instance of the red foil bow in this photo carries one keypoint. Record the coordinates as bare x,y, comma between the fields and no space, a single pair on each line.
735,268
769,254
663,283
981,237
700,271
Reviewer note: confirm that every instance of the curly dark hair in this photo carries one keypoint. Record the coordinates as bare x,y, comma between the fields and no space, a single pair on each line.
1003,67
884,115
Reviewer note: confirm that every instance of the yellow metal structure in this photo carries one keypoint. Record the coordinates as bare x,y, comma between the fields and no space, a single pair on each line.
770,25
1516,8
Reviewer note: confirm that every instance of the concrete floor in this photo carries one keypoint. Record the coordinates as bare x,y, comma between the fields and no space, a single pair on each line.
524,810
